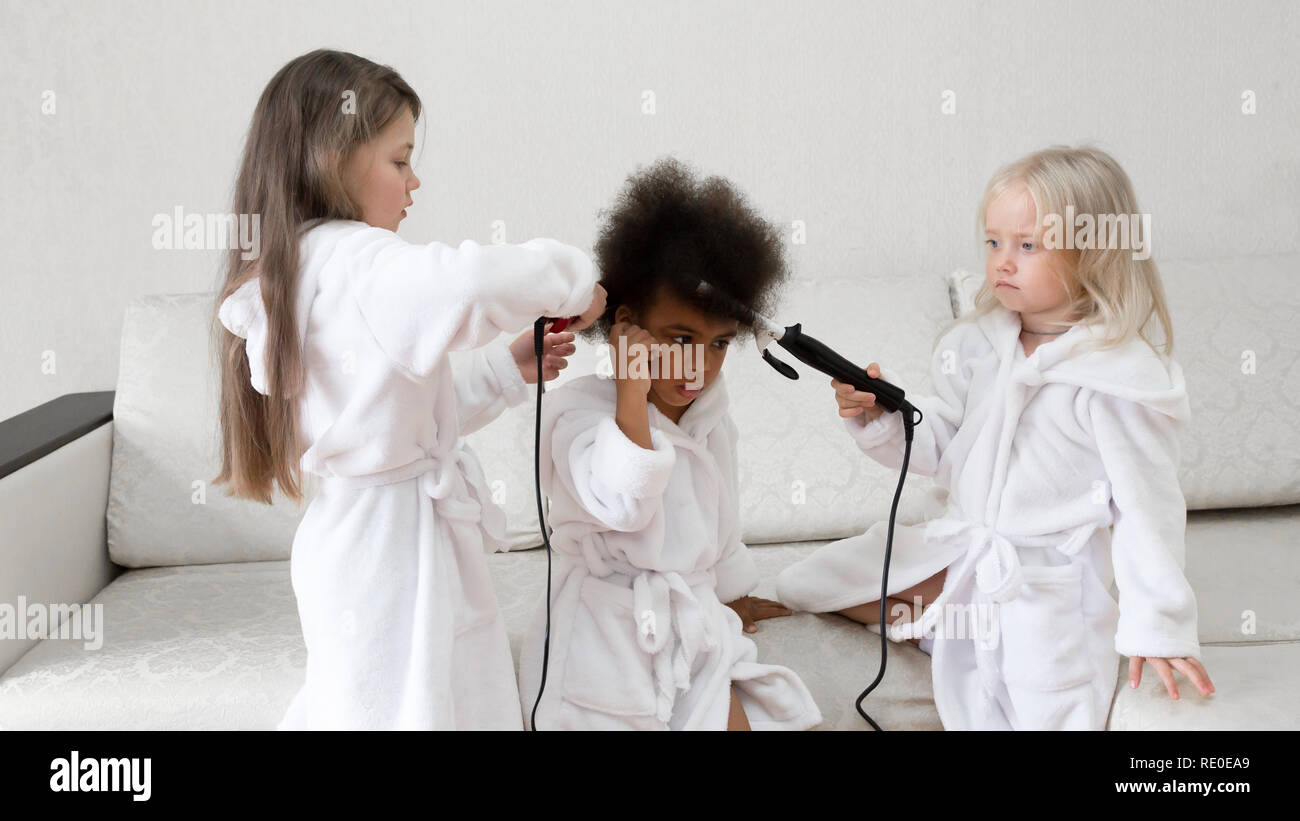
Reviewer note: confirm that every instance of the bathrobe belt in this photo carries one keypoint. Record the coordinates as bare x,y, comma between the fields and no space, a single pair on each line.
993,560
455,483
671,625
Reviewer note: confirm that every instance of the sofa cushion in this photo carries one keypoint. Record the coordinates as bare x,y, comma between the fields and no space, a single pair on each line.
220,647
1254,689
162,507
1234,335
1245,570
206,647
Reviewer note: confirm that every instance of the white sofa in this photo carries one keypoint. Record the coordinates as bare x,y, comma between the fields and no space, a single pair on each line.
105,499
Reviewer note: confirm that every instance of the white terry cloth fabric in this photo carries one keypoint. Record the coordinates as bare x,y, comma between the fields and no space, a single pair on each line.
398,611
648,553
1041,457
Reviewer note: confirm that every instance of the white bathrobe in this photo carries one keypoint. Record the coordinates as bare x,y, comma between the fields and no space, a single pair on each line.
398,610
1041,456
648,552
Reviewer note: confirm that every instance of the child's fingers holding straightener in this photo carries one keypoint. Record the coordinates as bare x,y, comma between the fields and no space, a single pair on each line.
853,402
555,347
555,352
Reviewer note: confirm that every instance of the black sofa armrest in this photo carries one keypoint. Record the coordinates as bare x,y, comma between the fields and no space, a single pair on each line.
46,428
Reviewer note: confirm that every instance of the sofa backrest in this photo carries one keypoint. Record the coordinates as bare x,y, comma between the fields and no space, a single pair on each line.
801,478
1235,335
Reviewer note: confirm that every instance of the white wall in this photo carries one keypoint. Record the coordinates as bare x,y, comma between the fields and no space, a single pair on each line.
826,112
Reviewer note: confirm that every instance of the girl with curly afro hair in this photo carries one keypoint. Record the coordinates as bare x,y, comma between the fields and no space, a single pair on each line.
651,605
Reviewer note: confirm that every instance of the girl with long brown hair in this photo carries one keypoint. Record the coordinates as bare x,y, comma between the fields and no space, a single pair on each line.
334,364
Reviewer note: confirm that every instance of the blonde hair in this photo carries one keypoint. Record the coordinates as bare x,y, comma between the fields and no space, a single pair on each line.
1106,286
292,172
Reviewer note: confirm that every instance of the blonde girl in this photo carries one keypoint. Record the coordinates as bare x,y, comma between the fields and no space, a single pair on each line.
1054,428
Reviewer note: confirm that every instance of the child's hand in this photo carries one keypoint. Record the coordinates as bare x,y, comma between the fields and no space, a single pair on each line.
594,311
1189,667
751,609
853,401
555,347
638,383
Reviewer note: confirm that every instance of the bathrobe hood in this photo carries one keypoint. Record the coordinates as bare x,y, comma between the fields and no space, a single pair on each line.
244,315
1131,370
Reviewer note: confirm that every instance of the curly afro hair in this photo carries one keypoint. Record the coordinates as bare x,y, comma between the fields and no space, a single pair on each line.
668,230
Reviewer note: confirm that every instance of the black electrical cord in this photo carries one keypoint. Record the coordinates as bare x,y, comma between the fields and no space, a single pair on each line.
908,425
539,337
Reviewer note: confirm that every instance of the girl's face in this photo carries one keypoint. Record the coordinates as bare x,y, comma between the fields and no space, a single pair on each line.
700,344
378,175
1024,276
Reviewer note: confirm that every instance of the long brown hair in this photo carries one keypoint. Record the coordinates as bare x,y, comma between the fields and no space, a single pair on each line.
313,113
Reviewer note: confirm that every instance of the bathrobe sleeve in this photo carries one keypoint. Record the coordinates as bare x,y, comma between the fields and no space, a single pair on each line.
617,482
421,301
486,381
883,438
735,572
1139,450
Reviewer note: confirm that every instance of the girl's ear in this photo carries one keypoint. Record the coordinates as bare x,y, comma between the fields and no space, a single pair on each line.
624,314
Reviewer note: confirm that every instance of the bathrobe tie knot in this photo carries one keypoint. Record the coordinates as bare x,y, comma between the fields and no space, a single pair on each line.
671,626
459,491
994,559
455,483
989,555
997,565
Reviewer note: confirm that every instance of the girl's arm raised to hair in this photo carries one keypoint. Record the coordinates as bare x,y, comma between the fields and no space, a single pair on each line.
632,413
421,301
